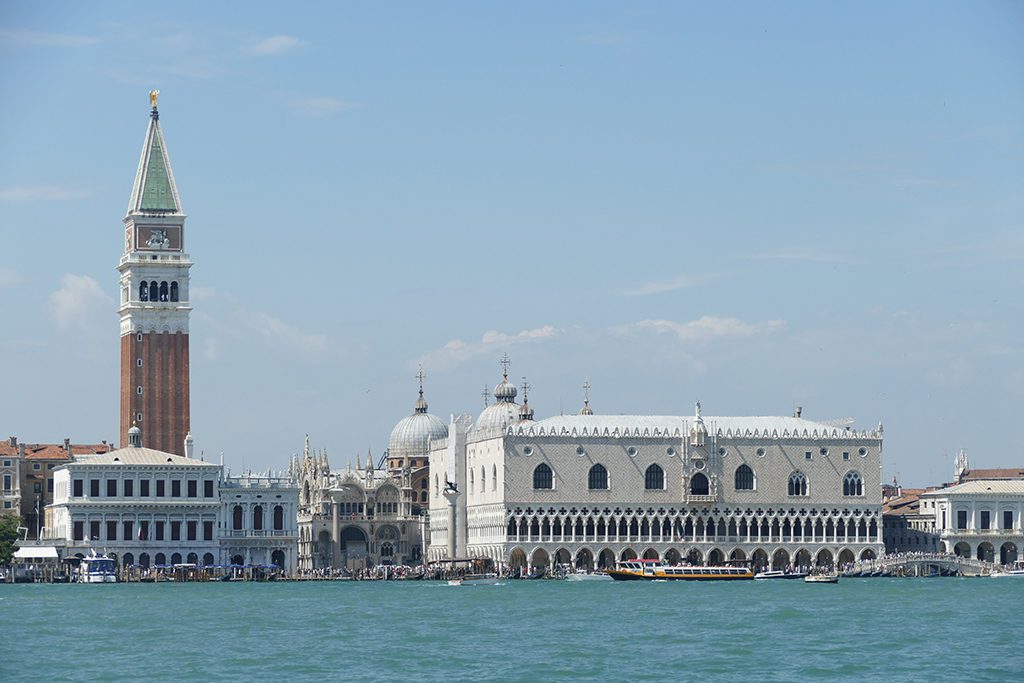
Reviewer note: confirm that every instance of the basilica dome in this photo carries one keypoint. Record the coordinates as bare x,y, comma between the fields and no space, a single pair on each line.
411,437
505,411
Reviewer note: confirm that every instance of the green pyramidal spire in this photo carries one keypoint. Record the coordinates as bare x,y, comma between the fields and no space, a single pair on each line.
154,189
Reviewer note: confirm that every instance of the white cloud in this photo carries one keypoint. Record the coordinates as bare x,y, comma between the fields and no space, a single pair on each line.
211,349
9,276
201,293
679,282
457,351
281,335
81,304
274,45
44,193
704,329
20,36
315,107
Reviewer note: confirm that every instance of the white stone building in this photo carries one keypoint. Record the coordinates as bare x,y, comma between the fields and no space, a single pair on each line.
147,507
259,519
590,490
980,518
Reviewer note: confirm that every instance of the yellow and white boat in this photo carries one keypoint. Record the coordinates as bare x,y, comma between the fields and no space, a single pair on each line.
654,570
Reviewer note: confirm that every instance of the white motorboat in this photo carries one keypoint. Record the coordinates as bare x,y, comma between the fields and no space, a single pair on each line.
588,576
475,580
97,569
778,574
821,578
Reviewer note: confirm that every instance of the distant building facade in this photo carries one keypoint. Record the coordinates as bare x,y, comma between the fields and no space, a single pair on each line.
906,525
589,490
356,518
26,476
981,517
146,507
10,476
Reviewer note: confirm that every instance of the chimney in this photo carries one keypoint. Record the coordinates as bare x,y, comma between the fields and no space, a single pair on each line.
13,441
21,450
67,446
799,410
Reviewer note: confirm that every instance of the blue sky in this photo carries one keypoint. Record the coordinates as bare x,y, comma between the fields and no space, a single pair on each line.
757,205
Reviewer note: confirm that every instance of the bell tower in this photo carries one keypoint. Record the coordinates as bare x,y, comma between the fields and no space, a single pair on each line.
154,302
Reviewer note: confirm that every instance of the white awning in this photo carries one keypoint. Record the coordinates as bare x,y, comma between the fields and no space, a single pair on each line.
36,553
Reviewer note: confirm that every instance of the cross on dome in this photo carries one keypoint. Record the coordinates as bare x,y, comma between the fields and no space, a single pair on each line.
505,362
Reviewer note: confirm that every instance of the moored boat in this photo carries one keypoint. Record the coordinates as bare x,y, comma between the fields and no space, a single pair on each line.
1016,570
97,569
653,570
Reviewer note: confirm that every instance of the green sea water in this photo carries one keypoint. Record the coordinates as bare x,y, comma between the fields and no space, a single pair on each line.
860,629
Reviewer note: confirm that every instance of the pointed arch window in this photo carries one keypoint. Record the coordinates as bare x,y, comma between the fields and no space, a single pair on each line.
597,480
744,478
797,484
543,478
483,479
494,477
853,485
699,485
654,478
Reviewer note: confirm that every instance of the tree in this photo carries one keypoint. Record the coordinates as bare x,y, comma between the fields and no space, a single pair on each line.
8,535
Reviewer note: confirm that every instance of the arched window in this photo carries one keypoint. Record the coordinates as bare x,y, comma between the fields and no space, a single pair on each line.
853,485
257,518
174,291
278,518
797,484
494,477
471,481
483,479
654,478
143,291
154,291
163,291
542,477
598,478
437,486
744,478
699,485
236,518
423,496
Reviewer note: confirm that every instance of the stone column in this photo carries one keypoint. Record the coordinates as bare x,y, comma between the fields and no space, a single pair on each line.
335,534
452,497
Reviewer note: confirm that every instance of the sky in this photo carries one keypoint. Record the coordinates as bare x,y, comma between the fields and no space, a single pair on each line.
757,205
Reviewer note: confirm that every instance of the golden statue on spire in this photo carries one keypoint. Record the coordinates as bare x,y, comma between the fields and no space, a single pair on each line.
153,94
